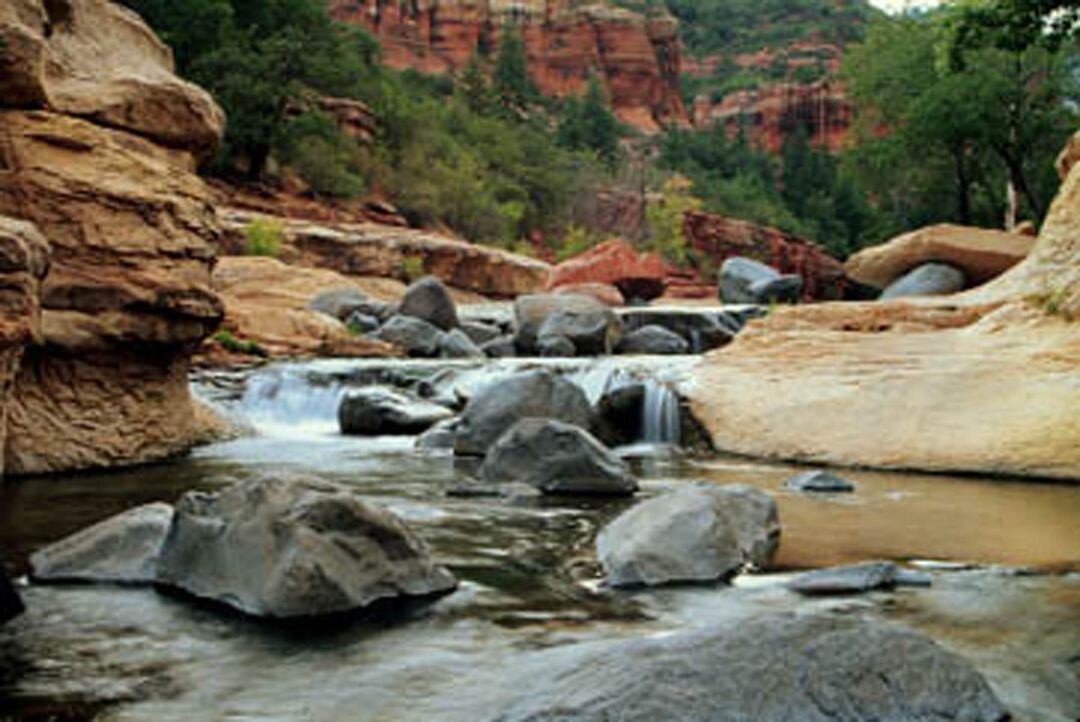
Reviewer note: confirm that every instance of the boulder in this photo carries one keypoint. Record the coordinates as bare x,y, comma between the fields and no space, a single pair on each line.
590,325
341,303
287,547
555,346
11,605
480,333
605,293
439,437
620,411
818,481
412,335
361,323
929,279
695,534
852,579
556,458
981,254
379,411
744,280
704,328
428,300
773,668
501,347
121,549
655,340
456,344
532,394
614,263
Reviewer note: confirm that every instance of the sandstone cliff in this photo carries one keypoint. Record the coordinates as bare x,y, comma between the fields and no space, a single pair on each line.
637,57
98,140
985,381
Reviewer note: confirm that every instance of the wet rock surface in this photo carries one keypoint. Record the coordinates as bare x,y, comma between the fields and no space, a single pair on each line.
380,411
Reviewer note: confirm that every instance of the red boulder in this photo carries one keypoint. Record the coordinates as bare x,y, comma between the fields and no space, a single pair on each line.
614,262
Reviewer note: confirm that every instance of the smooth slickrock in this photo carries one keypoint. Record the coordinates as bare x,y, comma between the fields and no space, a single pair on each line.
982,254
818,481
121,549
695,534
592,327
379,411
615,263
776,668
929,279
295,547
413,336
500,404
556,458
428,300
10,604
853,579
653,340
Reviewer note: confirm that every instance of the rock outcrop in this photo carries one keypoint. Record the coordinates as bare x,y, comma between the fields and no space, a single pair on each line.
636,56
97,146
983,381
616,263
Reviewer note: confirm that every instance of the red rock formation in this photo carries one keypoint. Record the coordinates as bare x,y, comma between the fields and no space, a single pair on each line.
718,238
614,262
638,58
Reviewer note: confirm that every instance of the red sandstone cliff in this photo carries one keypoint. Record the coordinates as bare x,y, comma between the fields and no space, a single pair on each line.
638,58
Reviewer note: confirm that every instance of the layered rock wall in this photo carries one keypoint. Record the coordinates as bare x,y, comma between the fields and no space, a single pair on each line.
98,141
637,57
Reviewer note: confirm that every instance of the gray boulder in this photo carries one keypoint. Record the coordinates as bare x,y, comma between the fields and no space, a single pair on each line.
620,412
744,280
339,302
428,300
122,549
499,405
653,340
775,668
501,347
11,605
455,344
852,579
699,533
591,326
704,329
555,347
360,322
379,411
556,458
819,482
295,547
929,279
439,437
480,333
414,336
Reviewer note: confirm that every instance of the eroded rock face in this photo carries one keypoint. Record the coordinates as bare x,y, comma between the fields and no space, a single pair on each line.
637,58
289,547
97,139
779,667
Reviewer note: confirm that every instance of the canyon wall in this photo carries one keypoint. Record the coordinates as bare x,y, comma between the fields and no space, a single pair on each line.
98,142
636,57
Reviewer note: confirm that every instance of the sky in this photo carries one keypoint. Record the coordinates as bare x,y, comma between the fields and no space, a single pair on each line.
894,5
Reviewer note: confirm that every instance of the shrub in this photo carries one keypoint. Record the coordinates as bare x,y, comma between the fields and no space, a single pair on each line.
576,241
232,344
262,238
412,268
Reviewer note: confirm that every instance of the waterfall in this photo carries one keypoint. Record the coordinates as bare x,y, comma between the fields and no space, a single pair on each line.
660,422
279,398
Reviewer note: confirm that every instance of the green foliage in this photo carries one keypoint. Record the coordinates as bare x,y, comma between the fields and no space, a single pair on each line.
232,344
327,160
589,125
262,238
665,221
576,241
1011,25
512,83
412,268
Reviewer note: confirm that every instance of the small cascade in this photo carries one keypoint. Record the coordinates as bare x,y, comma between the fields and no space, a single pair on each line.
660,422
280,398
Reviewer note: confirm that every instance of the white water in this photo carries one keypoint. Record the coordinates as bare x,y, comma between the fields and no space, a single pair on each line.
660,422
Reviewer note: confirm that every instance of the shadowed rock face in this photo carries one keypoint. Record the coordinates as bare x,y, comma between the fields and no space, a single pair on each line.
97,147
638,58
780,667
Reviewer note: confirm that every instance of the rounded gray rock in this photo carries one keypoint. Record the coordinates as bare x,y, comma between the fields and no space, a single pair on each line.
379,411
428,300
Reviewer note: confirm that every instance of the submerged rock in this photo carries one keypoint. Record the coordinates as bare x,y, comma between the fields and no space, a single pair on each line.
414,336
121,549
929,279
533,394
852,579
557,458
818,481
700,533
11,605
778,668
292,547
744,280
377,410
653,340
428,300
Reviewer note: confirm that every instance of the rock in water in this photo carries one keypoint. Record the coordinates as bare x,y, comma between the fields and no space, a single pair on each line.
743,280
700,533
818,481
592,332
532,394
480,333
10,604
121,549
853,579
556,458
428,300
456,344
929,279
579,318
414,336
778,668
292,547
375,411
653,340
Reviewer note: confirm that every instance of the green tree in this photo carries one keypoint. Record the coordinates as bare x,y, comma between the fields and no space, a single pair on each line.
512,83
588,124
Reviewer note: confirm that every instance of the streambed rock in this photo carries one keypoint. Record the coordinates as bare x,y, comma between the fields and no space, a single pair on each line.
653,339
122,549
293,547
776,668
428,300
456,344
821,482
744,280
851,579
413,335
591,326
11,605
929,279
700,533
376,410
497,406
556,458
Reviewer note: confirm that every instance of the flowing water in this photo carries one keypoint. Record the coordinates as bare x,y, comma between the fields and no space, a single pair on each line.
529,584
